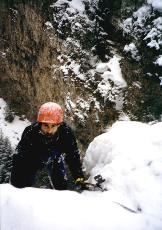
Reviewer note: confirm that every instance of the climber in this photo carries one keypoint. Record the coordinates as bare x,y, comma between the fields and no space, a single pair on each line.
47,143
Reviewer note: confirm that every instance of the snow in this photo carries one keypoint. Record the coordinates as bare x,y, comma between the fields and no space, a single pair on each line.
141,15
127,25
160,80
136,25
133,50
76,69
131,163
114,65
159,61
145,30
158,23
49,25
102,67
110,71
156,4
128,155
2,54
155,34
61,210
139,25
73,4
85,67
153,43
80,108
71,65
77,5
14,129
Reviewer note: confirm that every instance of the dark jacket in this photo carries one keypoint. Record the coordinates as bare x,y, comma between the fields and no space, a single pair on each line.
35,148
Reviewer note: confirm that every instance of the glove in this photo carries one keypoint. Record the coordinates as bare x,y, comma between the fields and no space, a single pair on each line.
81,184
79,181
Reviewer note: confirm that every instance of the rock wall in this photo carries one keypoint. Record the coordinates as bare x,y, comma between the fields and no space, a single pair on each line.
28,60
30,72
37,40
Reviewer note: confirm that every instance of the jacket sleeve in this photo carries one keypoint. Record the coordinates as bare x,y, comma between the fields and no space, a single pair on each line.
72,156
20,167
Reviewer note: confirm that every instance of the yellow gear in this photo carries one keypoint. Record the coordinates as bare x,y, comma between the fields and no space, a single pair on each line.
79,180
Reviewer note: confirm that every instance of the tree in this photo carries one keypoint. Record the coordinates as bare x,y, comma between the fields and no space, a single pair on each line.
6,152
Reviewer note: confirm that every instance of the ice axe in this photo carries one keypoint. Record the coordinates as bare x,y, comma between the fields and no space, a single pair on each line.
94,187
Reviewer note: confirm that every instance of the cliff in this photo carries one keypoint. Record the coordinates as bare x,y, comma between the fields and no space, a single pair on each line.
64,52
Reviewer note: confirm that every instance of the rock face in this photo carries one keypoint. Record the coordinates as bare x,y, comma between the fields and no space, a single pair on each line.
28,60
50,51
30,73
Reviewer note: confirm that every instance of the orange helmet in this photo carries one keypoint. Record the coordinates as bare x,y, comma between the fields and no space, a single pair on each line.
50,112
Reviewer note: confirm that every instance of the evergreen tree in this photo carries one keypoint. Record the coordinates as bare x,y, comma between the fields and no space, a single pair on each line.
6,152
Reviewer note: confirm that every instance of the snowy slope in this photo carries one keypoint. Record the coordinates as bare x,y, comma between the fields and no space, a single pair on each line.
11,130
129,157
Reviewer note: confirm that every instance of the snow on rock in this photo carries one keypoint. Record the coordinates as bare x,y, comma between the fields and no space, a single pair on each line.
140,17
144,28
111,72
159,61
136,25
80,108
155,34
156,4
2,54
102,67
77,5
49,25
73,4
158,23
115,71
131,48
160,80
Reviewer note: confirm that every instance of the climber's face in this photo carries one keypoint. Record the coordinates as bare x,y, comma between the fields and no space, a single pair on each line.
49,129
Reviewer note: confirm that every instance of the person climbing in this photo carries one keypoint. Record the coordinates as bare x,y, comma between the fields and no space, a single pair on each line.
47,143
